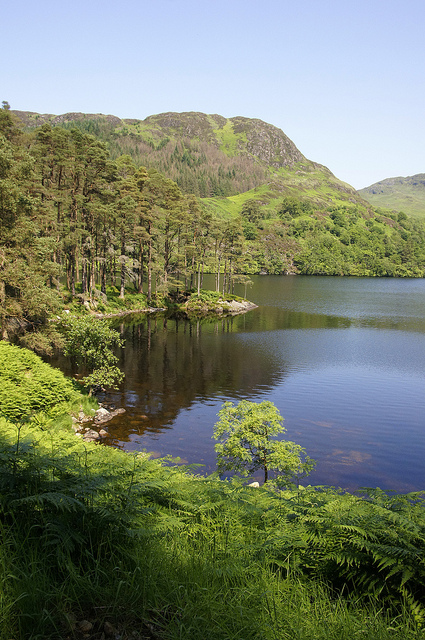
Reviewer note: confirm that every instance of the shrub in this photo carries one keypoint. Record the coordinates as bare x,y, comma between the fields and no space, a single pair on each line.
27,384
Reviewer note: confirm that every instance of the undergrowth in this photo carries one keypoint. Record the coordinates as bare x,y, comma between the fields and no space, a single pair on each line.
210,301
91,532
105,303
153,550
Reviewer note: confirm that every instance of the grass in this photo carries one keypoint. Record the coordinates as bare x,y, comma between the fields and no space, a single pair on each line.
109,303
206,301
154,552
405,195
399,200
316,184
229,140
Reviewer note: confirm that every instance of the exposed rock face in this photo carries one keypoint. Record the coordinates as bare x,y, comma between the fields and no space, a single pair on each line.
190,124
266,142
251,136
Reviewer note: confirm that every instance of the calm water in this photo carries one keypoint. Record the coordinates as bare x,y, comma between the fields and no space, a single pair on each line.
343,359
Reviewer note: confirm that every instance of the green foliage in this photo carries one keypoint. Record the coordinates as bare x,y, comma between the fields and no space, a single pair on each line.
89,343
250,230
196,557
28,385
67,210
246,443
26,266
293,207
209,302
251,211
113,303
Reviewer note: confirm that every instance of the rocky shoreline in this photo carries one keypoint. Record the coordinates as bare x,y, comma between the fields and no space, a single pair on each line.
100,417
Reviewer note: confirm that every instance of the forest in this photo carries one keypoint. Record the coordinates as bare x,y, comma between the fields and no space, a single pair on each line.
73,219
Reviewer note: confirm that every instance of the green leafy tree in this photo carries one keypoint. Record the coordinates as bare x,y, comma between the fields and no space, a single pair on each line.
293,207
26,268
251,211
89,343
246,442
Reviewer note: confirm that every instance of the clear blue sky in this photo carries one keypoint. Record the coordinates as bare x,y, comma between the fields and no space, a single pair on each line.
344,79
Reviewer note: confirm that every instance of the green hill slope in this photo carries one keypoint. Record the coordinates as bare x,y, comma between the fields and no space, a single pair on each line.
212,156
399,194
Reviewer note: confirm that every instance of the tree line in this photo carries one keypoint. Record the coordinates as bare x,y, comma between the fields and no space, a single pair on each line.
67,211
72,215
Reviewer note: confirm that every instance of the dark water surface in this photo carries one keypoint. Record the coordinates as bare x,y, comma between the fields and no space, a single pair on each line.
342,358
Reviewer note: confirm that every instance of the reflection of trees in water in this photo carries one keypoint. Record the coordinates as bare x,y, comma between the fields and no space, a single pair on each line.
170,362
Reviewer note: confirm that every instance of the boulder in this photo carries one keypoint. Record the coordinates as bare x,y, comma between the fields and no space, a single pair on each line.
91,435
101,414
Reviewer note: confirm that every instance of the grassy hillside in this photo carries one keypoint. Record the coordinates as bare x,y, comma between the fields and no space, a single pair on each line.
398,194
305,180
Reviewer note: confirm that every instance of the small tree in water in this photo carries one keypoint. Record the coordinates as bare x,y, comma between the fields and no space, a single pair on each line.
246,435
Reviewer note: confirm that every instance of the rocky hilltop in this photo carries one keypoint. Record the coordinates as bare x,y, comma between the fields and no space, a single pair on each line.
234,136
33,119
210,155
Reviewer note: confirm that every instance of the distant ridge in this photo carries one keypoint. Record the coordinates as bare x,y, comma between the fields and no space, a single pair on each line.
399,194
234,135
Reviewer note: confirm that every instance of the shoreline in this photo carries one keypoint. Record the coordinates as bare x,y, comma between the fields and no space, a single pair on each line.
222,308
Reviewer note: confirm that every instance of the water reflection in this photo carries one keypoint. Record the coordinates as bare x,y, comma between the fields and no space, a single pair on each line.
343,360
170,363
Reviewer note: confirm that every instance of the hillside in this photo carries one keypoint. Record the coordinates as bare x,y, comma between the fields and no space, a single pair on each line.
399,194
212,156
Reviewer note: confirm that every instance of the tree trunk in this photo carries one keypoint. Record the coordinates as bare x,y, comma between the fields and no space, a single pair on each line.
150,265
140,283
199,278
